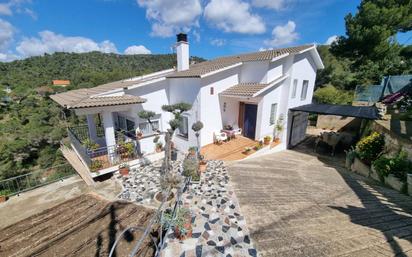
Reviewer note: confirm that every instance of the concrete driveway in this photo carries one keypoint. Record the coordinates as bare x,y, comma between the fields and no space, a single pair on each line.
299,204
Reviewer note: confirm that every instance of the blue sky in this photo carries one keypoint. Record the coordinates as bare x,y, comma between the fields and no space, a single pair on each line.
215,27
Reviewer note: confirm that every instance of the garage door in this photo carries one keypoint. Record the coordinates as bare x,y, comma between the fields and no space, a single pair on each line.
298,128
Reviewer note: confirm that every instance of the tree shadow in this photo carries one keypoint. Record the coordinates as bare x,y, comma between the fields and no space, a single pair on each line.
112,230
385,210
392,219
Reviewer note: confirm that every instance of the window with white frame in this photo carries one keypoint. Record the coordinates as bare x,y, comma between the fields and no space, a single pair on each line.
294,88
273,110
183,130
305,85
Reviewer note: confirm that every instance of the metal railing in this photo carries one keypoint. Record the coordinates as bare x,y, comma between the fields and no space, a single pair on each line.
79,147
108,156
82,132
36,178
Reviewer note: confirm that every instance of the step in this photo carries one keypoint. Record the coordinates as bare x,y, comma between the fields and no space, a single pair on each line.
77,164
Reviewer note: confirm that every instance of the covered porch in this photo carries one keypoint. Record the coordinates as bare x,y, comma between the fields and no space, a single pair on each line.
106,134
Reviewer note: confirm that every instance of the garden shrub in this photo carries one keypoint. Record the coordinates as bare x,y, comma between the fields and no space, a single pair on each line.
382,167
190,168
397,166
369,148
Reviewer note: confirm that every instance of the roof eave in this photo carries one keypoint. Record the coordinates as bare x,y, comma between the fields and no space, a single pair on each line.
316,57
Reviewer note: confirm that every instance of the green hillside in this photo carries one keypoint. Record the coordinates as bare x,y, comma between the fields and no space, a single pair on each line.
31,125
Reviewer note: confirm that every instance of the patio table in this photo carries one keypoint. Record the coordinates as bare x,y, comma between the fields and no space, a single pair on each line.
229,133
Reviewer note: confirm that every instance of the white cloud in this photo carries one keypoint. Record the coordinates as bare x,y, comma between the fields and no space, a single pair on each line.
5,9
50,42
196,35
6,34
218,42
170,17
137,49
8,57
9,7
234,16
331,39
283,35
271,4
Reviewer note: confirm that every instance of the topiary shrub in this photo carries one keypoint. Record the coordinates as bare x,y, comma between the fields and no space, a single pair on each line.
190,168
369,148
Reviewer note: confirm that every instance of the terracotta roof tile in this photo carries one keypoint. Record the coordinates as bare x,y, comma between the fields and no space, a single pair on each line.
108,101
244,89
203,68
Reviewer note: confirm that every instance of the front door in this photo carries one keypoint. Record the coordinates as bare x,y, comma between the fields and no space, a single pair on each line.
249,122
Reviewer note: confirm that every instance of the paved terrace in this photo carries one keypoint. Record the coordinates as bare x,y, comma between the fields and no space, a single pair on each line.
298,204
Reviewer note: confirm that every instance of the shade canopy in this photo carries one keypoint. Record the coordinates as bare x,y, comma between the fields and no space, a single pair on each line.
364,112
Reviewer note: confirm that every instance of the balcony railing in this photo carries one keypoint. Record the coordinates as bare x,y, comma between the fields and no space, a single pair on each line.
104,157
82,132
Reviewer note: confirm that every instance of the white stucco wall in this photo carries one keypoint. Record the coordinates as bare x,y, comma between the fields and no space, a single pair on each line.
275,70
211,108
156,94
303,69
254,72
186,90
263,126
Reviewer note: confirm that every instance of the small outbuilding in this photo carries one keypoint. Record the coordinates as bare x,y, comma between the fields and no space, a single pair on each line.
299,117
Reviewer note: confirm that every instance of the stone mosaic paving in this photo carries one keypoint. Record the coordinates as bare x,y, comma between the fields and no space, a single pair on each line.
219,229
143,183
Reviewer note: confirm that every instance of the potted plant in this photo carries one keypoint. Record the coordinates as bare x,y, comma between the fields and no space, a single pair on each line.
202,163
258,146
278,129
96,165
247,150
128,149
192,151
159,147
4,195
124,169
266,140
181,223
90,145
139,134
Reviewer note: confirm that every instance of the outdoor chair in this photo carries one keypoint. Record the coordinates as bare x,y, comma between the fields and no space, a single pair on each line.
219,137
237,130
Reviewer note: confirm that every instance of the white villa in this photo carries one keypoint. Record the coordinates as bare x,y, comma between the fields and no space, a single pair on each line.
248,91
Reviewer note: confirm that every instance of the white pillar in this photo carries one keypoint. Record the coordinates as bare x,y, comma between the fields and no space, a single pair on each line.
108,124
92,127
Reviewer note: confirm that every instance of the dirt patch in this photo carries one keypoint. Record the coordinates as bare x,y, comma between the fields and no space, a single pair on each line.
35,201
83,226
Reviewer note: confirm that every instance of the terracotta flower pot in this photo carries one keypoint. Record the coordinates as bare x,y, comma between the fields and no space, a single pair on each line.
266,141
3,198
124,171
276,140
188,228
202,167
158,149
